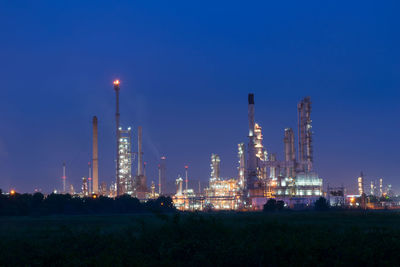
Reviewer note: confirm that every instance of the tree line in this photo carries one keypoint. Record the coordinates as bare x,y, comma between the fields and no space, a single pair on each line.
38,204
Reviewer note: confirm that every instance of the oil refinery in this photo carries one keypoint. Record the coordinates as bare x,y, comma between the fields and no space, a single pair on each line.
261,175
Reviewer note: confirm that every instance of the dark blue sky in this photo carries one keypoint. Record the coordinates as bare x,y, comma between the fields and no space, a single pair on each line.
186,68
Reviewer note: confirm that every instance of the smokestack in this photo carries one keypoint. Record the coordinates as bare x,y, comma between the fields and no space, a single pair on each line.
159,179
186,173
116,88
95,159
251,160
251,99
162,175
64,178
140,153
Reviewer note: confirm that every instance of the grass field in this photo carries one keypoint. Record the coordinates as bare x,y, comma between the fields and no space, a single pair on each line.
235,239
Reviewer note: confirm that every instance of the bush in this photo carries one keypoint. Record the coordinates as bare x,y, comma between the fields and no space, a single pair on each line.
321,204
270,205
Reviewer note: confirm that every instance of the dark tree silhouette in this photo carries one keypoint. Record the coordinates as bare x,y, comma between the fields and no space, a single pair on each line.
270,205
321,204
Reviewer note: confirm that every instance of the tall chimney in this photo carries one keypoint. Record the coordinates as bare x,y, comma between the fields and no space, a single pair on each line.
186,180
162,175
95,158
159,179
251,160
64,178
116,88
140,153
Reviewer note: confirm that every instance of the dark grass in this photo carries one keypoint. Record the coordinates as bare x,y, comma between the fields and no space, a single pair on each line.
219,239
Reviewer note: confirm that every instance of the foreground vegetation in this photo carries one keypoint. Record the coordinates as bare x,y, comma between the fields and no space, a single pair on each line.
191,239
37,204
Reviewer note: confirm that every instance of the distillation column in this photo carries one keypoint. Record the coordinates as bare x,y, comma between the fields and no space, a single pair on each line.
242,165
305,135
290,154
215,166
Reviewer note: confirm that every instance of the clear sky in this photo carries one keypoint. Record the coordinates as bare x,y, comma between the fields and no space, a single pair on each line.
186,68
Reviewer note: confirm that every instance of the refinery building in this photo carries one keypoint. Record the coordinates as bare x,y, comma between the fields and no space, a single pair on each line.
261,175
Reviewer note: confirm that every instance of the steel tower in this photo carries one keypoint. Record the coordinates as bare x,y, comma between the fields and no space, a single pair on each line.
116,88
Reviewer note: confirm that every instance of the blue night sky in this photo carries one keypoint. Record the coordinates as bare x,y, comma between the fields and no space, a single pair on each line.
186,68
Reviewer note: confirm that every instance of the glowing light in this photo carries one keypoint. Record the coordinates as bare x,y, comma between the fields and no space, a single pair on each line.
12,192
116,82
94,196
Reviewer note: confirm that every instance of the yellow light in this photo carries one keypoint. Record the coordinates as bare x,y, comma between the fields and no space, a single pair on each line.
12,192
352,199
116,82
94,196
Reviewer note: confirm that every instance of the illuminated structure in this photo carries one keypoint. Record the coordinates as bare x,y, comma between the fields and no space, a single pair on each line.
290,152
380,187
84,187
242,166
71,190
215,164
117,115
95,158
336,196
372,192
186,199
285,179
153,194
125,162
251,168
113,190
263,176
361,184
260,152
221,194
103,189
305,135
179,182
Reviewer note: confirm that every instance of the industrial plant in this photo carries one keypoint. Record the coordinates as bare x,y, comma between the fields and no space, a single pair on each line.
261,175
